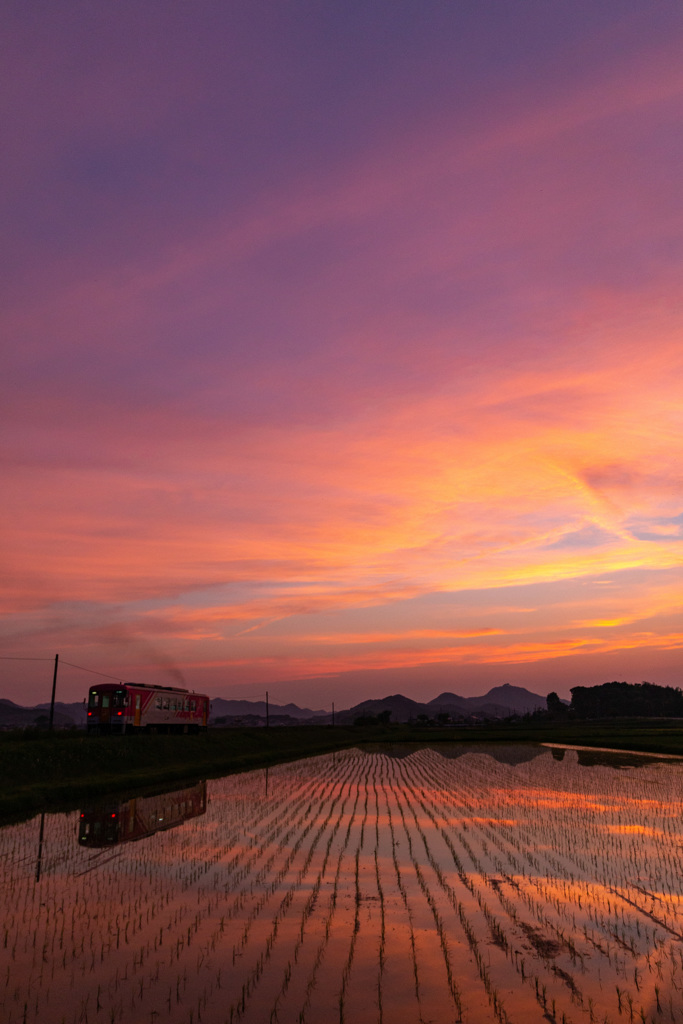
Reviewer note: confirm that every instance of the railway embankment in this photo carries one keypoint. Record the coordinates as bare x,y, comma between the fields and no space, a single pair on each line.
42,772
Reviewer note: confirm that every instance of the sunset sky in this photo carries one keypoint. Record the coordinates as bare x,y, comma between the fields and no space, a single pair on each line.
343,345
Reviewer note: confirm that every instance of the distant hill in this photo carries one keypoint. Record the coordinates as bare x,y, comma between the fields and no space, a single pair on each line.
402,709
497,703
221,707
14,716
500,702
76,712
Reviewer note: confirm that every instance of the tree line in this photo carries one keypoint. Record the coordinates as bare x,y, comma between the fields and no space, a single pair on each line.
619,700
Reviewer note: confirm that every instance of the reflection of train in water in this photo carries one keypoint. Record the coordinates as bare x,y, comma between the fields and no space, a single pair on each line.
112,823
137,707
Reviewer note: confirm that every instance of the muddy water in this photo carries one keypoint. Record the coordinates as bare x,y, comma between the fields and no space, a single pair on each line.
501,884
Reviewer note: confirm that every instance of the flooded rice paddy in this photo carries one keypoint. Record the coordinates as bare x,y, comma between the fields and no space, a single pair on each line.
515,884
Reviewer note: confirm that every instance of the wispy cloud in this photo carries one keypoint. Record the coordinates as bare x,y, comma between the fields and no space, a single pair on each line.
267,379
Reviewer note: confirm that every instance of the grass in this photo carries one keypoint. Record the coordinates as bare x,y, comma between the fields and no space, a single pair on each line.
646,735
42,772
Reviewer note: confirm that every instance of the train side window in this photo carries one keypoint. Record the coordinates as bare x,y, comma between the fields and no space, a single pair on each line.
193,705
166,703
157,702
187,704
105,700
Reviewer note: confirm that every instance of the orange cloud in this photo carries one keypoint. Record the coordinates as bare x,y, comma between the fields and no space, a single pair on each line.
459,398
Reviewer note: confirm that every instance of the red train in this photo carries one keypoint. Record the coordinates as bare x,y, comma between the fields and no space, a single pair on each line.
137,707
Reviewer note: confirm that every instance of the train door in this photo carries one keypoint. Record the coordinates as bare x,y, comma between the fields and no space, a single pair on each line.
138,701
204,707
104,710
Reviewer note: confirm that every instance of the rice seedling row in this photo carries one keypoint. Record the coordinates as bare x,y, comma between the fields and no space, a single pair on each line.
360,887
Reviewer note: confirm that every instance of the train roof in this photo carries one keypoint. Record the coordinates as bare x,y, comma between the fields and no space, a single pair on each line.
145,686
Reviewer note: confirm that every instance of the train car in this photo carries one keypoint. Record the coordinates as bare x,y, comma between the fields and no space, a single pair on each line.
109,824
138,707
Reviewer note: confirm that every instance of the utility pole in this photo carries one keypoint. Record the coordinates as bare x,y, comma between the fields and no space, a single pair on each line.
54,687
267,715
39,862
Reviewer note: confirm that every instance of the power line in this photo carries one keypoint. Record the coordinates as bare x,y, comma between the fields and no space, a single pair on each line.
93,671
9,657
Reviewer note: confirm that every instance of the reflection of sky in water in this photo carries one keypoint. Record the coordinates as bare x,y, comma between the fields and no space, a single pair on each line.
363,886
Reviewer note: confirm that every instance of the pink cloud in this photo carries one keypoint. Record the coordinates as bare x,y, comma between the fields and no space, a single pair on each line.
449,361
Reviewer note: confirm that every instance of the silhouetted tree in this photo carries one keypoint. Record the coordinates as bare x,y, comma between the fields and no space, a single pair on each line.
556,709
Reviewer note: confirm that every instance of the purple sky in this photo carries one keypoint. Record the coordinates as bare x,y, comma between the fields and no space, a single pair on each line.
342,345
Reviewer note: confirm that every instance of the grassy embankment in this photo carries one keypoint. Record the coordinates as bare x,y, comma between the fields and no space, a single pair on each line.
40,772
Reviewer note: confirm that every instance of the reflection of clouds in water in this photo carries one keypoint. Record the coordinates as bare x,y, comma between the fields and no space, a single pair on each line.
443,884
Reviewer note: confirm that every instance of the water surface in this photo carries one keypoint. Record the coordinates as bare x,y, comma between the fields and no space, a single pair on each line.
502,883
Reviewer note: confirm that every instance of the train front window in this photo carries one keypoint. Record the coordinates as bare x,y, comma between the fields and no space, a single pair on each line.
94,699
119,699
